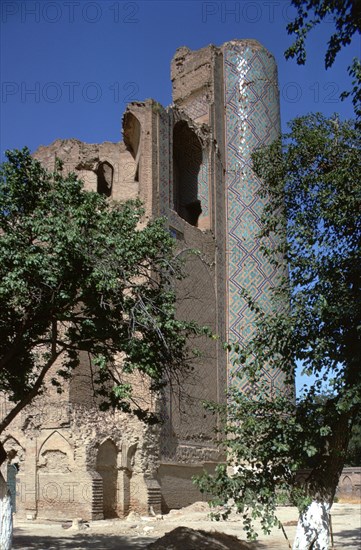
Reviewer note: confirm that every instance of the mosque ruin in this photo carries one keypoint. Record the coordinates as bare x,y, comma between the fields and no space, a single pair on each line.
190,162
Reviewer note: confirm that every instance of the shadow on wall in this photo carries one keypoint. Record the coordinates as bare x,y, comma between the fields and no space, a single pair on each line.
132,133
187,160
105,173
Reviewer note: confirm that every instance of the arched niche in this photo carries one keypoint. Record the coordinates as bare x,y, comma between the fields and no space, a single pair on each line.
106,466
187,160
346,485
132,132
105,173
56,454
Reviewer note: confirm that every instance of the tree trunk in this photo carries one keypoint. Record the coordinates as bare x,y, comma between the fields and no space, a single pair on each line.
6,514
313,529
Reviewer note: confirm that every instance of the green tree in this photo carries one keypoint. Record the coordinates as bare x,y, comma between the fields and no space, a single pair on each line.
81,273
312,187
354,447
346,17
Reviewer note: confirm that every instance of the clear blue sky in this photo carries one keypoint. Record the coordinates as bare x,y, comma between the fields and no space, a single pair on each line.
68,68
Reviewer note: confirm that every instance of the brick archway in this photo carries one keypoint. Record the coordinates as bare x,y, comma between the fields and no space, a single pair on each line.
106,466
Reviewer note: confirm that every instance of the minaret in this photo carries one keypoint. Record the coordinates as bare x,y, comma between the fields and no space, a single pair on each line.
234,90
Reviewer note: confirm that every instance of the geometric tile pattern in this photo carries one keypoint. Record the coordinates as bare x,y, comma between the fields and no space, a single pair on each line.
165,188
198,107
203,183
252,120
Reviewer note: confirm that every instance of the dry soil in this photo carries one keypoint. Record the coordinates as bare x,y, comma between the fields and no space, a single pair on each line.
136,533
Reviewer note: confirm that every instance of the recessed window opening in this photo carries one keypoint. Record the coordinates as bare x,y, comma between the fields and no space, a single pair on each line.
187,160
132,133
106,466
105,178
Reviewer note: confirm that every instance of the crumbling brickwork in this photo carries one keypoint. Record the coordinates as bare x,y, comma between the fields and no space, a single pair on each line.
189,163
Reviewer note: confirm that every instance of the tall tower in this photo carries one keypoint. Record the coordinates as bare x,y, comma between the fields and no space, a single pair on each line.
226,105
234,90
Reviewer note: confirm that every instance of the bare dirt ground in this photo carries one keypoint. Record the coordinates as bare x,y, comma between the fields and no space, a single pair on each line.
136,533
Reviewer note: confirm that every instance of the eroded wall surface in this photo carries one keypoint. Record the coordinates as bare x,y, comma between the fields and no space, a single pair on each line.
68,459
190,163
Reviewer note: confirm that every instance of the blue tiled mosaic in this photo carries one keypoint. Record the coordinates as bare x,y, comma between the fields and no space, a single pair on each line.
252,120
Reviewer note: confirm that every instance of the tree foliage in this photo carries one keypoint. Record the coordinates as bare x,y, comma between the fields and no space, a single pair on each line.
312,189
353,457
346,17
81,273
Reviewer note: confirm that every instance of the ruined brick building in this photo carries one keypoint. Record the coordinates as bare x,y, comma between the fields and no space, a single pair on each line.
190,163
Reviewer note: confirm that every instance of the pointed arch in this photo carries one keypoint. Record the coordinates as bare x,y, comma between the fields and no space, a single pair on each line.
56,454
132,131
107,468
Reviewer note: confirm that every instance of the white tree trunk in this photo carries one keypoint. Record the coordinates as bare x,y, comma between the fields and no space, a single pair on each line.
6,516
313,529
